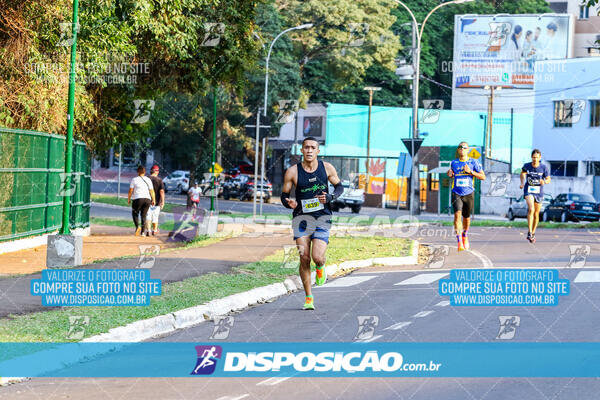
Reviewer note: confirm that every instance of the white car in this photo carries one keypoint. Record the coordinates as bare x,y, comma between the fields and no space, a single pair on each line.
177,180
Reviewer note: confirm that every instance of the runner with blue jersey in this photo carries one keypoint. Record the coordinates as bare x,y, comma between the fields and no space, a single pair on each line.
534,176
463,170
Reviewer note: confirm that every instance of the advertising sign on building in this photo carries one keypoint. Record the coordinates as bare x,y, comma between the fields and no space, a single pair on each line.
502,50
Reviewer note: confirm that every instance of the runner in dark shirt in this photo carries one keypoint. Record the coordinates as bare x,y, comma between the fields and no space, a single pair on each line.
534,176
312,213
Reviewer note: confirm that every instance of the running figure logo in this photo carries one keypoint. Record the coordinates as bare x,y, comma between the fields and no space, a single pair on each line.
148,253
499,183
508,326
291,256
431,115
366,326
207,359
77,325
438,256
579,254
223,325
212,34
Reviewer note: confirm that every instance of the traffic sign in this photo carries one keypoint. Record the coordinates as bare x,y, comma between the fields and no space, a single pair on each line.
263,131
412,145
474,153
216,170
404,165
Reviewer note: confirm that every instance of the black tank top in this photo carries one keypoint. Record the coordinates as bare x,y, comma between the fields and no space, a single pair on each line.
310,185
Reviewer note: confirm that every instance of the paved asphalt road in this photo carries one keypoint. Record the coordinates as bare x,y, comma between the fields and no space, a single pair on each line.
407,311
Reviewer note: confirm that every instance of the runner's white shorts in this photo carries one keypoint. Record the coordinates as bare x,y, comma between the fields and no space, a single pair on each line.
153,213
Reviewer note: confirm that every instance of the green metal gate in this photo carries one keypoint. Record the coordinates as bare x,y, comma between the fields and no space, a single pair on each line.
31,189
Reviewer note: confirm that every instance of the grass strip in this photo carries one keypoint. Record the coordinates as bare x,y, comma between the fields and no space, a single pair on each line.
53,325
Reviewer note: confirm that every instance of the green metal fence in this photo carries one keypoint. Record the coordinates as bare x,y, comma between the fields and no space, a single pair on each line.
31,183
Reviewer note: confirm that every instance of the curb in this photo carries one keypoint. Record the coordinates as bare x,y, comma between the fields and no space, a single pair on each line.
165,324
169,323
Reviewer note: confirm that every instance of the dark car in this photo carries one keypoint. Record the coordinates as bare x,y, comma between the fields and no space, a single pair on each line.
232,187
572,207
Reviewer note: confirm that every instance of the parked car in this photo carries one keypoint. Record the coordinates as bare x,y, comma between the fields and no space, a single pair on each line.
572,207
352,197
518,208
246,169
177,180
233,185
247,189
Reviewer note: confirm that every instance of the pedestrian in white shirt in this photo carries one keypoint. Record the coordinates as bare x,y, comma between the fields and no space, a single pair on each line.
141,192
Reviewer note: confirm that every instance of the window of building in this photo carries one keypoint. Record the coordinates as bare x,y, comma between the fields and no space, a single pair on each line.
434,182
563,168
593,168
594,113
584,11
563,114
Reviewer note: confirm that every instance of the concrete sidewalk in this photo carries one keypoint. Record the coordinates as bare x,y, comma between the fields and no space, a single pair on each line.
168,266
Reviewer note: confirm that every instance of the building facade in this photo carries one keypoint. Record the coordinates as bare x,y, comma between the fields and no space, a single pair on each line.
566,125
345,139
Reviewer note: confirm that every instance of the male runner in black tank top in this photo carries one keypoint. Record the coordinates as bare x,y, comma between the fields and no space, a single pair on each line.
312,212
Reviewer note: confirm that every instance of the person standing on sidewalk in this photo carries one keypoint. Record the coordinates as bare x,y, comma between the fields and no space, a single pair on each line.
312,212
159,194
463,170
142,194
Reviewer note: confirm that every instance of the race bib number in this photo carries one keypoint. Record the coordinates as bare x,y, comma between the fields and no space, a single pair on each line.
463,182
533,189
311,205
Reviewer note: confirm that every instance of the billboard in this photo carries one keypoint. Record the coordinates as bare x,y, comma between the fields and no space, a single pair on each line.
502,50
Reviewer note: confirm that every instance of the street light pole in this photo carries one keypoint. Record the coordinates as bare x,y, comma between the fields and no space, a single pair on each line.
303,26
370,89
414,208
65,230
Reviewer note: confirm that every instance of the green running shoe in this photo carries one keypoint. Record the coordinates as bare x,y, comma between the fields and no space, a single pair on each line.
321,276
309,303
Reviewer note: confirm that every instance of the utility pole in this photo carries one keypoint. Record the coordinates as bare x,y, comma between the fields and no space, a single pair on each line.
119,176
256,161
65,230
370,89
262,175
490,118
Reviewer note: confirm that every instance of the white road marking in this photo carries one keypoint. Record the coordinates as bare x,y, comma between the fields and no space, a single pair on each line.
399,325
443,303
487,263
423,314
422,279
587,276
272,381
347,281
233,398
370,339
